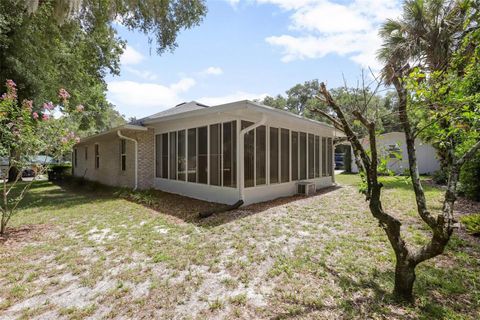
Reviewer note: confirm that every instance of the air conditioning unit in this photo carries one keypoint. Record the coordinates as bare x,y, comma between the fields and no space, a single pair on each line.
306,188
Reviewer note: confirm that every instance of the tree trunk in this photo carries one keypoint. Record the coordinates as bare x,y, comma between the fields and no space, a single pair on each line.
3,227
404,279
13,174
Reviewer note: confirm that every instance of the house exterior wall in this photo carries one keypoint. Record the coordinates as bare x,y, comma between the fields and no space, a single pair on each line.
427,159
230,195
109,171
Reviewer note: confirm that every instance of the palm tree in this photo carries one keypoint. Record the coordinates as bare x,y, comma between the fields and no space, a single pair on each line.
425,36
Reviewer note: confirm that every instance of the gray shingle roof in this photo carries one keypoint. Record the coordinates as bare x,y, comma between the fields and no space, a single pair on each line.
179,108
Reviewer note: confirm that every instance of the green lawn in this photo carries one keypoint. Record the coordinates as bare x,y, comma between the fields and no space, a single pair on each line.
94,254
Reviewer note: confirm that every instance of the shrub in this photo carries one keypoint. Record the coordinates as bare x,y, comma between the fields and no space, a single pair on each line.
469,185
440,177
472,224
59,172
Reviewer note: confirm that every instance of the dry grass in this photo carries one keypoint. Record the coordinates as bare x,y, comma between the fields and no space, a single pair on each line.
78,255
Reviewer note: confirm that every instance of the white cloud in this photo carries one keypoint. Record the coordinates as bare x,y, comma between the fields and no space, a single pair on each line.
328,27
144,74
131,56
236,96
141,99
212,71
233,3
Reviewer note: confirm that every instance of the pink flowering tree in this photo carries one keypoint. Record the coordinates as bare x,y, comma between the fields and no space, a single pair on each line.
29,133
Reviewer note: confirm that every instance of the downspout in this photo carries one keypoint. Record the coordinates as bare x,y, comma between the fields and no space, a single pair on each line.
242,151
119,133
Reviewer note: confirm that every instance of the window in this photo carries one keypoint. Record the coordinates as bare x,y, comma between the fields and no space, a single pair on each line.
165,155
285,155
123,154
181,159
294,155
324,157
317,156
274,155
86,153
215,154
303,155
192,155
229,154
248,155
311,156
330,157
75,157
97,157
173,155
202,155
158,156
261,155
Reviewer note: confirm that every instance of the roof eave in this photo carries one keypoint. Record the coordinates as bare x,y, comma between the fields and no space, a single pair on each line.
122,127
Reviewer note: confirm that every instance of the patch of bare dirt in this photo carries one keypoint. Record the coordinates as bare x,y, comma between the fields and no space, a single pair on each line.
19,236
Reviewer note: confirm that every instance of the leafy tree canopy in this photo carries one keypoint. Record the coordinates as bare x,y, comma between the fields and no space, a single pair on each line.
45,45
302,99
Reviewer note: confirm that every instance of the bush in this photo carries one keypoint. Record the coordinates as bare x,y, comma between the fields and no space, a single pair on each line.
472,224
469,185
59,172
440,177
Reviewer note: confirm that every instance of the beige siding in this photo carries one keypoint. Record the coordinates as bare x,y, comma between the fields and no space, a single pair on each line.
109,171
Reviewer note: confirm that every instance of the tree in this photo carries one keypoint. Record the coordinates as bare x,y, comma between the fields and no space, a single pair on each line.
32,133
301,99
368,161
73,44
431,60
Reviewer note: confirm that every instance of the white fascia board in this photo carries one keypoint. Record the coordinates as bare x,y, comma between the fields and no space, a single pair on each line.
113,130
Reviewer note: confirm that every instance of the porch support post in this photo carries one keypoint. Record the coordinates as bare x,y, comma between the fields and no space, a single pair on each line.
241,141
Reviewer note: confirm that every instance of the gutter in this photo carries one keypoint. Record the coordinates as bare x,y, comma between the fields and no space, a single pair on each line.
242,151
119,133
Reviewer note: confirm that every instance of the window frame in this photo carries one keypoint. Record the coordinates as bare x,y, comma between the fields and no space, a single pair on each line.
123,155
97,156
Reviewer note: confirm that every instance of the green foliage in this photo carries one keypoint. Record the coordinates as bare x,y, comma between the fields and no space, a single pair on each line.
59,171
440,177
469,185
41,55
472,223
301,99
24,135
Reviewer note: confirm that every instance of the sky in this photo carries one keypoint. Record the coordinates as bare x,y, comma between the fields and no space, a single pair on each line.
247,49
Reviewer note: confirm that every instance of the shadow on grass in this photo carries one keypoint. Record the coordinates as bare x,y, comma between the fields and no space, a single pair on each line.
365,298
353,305
67,195
242,212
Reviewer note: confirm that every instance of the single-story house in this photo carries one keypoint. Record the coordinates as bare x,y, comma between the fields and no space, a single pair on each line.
392,146
235,151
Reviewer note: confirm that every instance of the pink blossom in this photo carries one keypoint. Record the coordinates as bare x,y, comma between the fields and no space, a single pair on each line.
11,90
28,104
77,139
11,84
63,95
48,106
64,140
80,108
71,134
35,115
45,117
